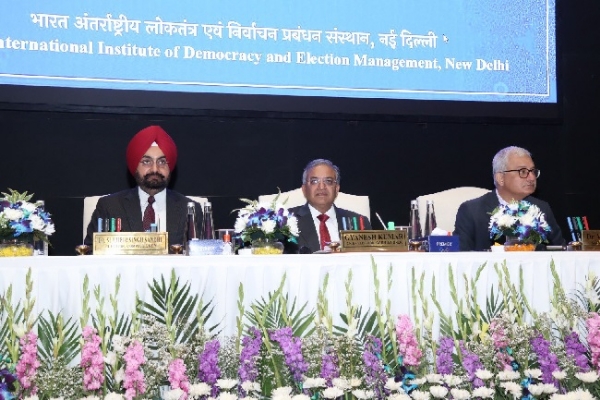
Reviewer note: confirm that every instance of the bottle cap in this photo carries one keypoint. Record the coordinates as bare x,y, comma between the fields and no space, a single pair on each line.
391,226
191,204
429,202
226,237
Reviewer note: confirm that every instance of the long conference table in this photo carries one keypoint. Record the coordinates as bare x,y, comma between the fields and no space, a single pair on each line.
58,281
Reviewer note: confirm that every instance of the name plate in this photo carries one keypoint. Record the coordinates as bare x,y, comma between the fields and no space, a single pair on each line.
590,240
131,243
443,243
369,241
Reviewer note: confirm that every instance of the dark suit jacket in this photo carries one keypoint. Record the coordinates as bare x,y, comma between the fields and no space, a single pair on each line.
126,205
308,233
473,221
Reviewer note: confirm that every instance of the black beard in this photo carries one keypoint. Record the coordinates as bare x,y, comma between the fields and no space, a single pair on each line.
152,181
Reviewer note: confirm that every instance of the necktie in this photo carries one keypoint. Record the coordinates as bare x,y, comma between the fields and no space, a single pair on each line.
323,231
148,215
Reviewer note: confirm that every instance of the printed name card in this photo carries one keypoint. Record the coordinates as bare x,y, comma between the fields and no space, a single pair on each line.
590,240
443,243
371,241
131,243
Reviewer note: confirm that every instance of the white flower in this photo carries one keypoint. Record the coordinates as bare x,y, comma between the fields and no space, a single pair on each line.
118,344
508,375
559,375
310,383
392,385
419,395
240,223
587,377
438,391
352,328
452,380
484,374
434,378
119,375
341,383
363,394
332,392
114,396
460,394
549,388
399,396
249,386
484,393
533,373
36,222
592,296
19,329
292,222
355,382
200,389
581,394
418,382
300,397
110,358
174,394
536,389
226,384
49,229
268,226
227,396
512,388
12,214
282,393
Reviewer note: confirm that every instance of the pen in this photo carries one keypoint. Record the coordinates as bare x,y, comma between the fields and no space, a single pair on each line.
362,223
579,224
344,224
573,236
585,223
355,223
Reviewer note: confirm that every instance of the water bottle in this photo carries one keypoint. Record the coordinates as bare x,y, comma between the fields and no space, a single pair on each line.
207,222
190,226
430,223
40,247
415,223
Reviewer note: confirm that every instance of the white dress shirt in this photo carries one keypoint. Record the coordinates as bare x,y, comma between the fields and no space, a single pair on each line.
160,208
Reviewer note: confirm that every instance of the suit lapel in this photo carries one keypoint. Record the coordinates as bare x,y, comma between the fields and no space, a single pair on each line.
306,225
176,213
133,211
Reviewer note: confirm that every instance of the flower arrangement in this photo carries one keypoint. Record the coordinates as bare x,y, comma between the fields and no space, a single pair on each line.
266,221
301,357
23,220
521,219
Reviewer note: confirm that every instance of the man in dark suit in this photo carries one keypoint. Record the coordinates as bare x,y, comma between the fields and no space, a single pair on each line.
515,178
320,186
151,156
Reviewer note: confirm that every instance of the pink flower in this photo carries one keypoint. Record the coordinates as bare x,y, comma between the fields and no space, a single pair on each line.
177,377
408,347
92,360
134,377
593,338
28,363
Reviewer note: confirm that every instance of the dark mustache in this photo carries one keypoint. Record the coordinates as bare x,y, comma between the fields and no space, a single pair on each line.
156,174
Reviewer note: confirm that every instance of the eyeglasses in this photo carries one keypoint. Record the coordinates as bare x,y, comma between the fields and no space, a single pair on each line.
326,181
524,172
160,163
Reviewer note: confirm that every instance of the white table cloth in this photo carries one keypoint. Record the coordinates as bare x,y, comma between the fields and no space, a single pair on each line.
58,281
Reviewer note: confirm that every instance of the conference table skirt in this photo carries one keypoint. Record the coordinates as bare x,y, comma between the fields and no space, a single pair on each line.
58,281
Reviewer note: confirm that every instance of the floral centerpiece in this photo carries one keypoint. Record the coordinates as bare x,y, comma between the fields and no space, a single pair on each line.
266,222
520,219
22,220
